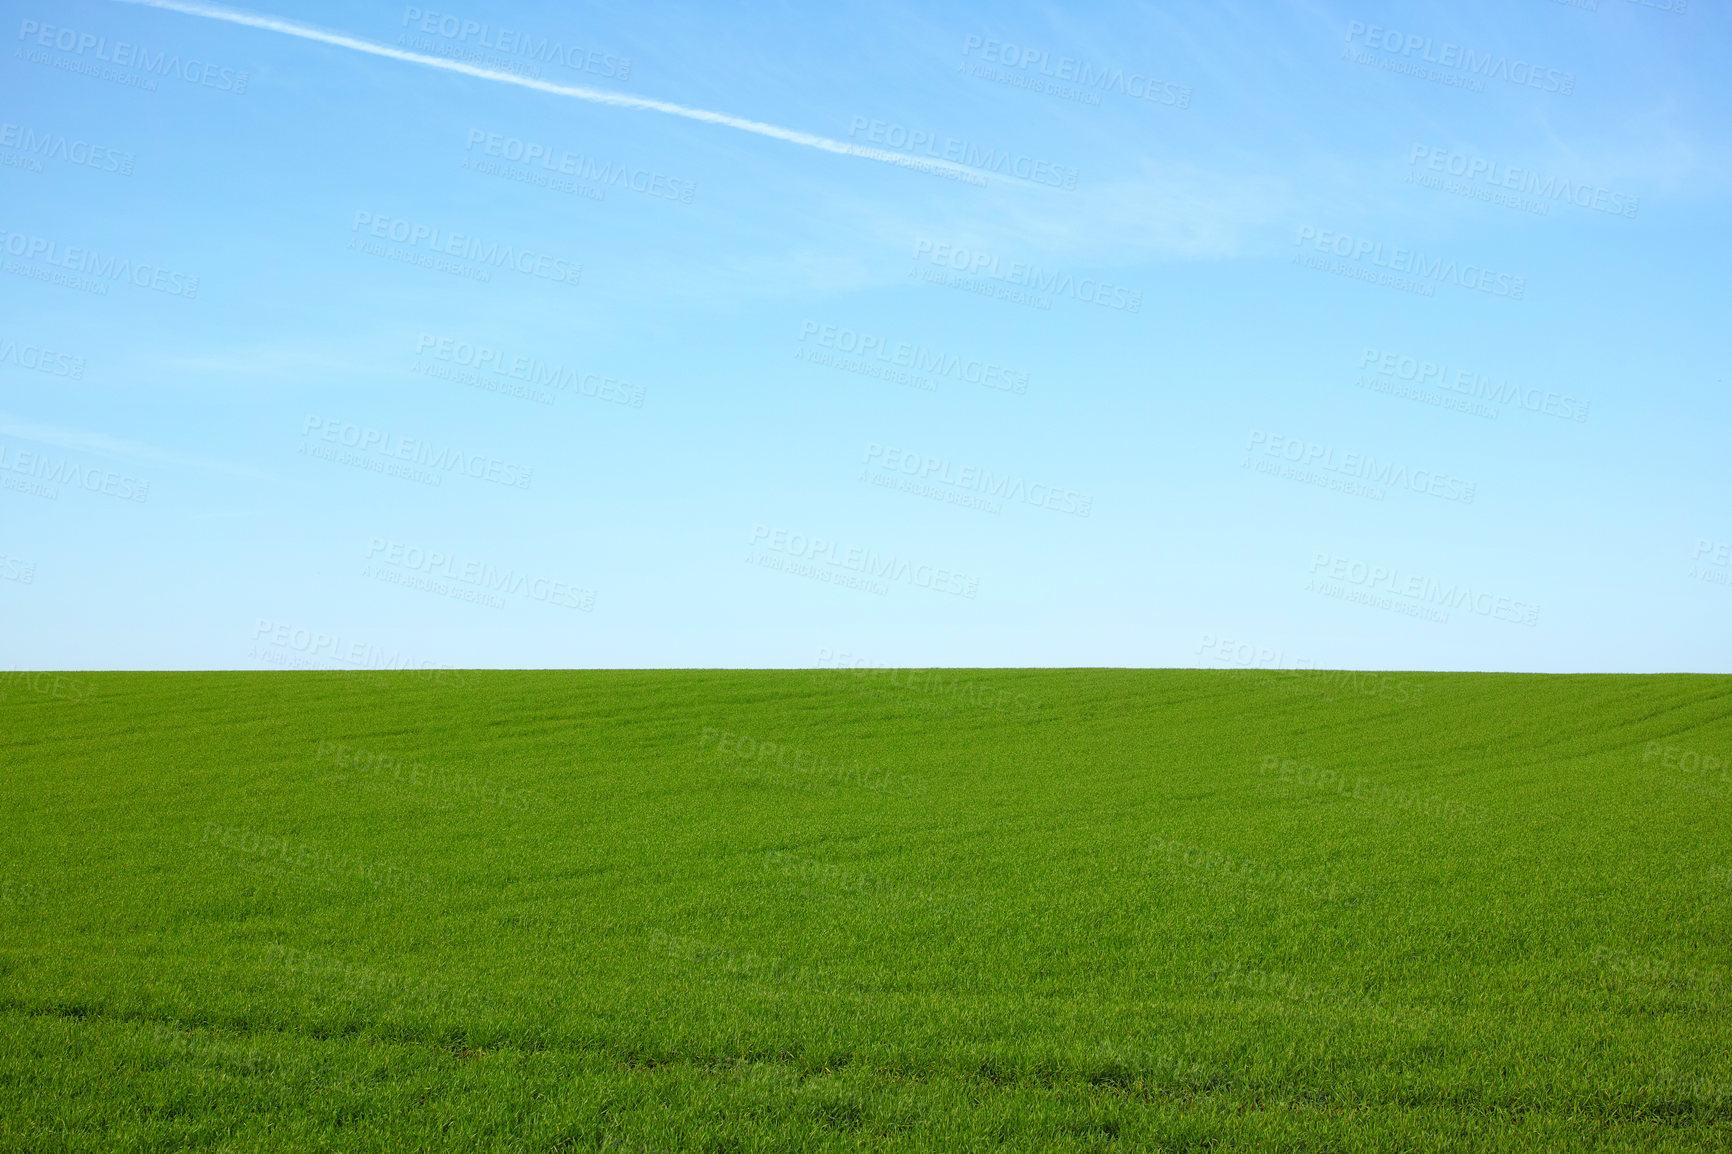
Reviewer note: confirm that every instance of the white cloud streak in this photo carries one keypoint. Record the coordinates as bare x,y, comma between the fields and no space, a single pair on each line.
80,440
592,95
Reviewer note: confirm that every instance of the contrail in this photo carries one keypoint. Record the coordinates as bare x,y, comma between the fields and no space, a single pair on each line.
593,95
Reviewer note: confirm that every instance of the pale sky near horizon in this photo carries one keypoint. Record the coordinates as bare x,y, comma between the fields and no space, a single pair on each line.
1380,336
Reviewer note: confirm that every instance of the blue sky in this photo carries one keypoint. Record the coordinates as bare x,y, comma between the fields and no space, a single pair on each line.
1376,336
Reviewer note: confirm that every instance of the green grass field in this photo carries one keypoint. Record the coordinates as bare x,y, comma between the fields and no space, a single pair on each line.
1040,910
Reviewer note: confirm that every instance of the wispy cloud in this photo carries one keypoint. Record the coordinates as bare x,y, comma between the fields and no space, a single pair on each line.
84,441
593,95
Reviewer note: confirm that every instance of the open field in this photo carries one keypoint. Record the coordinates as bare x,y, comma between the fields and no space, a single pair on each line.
1052,910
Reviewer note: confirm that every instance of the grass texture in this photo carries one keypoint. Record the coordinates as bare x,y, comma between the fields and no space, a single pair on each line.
1042,910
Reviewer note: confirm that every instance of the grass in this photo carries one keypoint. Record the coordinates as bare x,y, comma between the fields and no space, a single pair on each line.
1054,910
